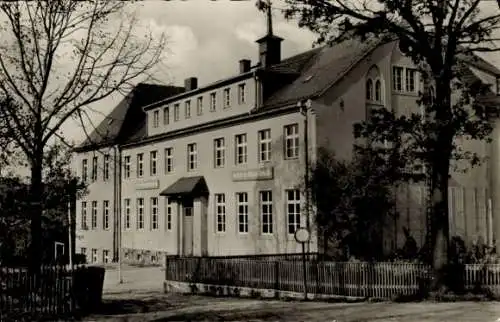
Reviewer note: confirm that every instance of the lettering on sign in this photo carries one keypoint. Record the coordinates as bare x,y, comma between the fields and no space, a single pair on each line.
254,174
147,185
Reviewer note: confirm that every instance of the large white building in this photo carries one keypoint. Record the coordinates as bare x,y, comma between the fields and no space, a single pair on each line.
218,169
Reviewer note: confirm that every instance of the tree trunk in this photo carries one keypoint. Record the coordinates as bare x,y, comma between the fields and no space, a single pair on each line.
36,206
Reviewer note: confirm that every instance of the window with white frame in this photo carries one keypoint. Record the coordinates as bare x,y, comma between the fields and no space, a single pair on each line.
94,215
84,216
154,213
242,211
264,145
199,105
192,157
187,109
84,170
219,152
266,211
176,112
169,211
378,91
94,255
241,94
411,80
105,256
105,172
220,212
126,167
94,169
293,210
397,78
156,118
169,160
153,155
127,213
105,214
166,115
369,89
241,149
140,165
140,213
227,97
292,141
213,102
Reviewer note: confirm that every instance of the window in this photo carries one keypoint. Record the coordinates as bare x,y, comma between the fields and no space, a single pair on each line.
152,162
84,170
127,213
187,109
83,251
169,211
84,216
293,210
242,210
378,91
126,166
227,97
397,78
241,94
192,157
266,211
199,105
154,213
169,160
292,141
94,169
105,256
94,255
105,172
241,149
166,115
220,212
156,118
411,80
140,213
369,89
219,152
94,215
213,102
176,112
140,165
105,214
264,145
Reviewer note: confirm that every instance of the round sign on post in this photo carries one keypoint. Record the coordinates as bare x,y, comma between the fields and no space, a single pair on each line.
302,235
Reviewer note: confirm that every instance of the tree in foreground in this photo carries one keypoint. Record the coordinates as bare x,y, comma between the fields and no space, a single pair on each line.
353,199
103,55
439,35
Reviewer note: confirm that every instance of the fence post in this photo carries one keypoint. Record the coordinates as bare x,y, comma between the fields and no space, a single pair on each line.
277,277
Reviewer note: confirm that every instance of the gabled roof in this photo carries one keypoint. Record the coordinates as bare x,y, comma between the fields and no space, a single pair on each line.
127,118
320,69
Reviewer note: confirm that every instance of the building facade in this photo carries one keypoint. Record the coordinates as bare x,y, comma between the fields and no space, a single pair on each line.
219,169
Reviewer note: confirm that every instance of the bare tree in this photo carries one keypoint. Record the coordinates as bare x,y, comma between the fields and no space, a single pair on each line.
102,56
439,35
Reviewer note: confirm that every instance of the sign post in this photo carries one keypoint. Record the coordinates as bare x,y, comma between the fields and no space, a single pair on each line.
302,236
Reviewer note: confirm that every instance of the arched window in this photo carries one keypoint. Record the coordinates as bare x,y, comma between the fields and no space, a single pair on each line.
369,89
378,91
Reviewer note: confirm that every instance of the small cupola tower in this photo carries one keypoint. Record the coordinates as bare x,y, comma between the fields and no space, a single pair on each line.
269,45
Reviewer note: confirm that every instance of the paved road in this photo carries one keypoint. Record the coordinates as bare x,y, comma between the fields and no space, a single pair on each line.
140,298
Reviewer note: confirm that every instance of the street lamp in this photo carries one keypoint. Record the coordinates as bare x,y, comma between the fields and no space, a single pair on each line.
304,107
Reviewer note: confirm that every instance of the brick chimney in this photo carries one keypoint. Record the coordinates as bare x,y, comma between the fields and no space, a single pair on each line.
190,83
244,65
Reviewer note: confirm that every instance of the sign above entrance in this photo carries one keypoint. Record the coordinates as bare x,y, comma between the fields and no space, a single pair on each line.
148,185
254,174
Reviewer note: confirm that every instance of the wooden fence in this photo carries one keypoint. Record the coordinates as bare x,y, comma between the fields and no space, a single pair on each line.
381,280
55,292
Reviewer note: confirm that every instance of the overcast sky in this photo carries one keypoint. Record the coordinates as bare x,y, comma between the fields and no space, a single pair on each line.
207,38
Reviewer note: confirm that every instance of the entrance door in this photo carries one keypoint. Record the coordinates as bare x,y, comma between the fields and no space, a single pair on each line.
187,244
